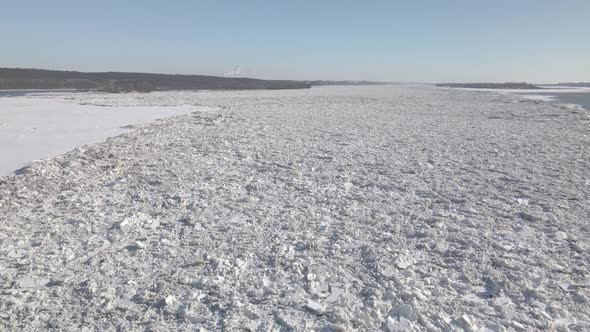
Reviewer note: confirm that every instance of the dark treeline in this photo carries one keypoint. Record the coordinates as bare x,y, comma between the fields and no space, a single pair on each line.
11,78
508,85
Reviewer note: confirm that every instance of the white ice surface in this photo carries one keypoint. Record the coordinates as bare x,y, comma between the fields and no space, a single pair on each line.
389,208
45,125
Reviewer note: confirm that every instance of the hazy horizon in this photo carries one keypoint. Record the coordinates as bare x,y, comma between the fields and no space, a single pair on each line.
532,41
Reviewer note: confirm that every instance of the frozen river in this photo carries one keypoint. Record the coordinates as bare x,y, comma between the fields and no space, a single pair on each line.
391,208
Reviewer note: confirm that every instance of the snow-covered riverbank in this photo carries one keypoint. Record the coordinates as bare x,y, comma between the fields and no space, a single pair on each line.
393,208
47,124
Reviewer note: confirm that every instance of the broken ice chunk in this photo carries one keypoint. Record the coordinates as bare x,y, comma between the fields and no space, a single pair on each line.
404,261
334,328
388,271
404,311
170,300
465,323
336,292
138,220
29,282
251,313
346,300
527,216
399,325
185,312
502,301
525,232
569,287
237,219
314,307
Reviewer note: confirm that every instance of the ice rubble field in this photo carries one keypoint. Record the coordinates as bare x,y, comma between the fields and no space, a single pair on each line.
335,209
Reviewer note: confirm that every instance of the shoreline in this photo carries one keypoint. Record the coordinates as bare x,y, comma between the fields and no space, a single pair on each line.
560,95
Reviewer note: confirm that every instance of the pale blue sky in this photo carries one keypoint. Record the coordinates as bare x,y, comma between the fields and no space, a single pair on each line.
453,40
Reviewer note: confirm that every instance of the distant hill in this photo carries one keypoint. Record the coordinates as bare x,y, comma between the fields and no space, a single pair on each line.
490,85
16,78
579,84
